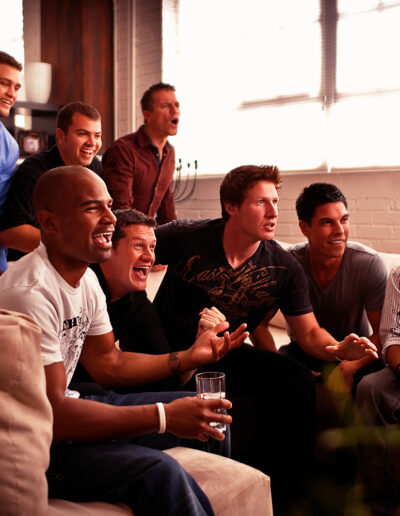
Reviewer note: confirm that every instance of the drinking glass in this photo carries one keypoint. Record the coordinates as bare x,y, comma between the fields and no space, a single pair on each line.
212,385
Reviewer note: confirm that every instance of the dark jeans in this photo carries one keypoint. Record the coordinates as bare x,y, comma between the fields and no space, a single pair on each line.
132,471
273,412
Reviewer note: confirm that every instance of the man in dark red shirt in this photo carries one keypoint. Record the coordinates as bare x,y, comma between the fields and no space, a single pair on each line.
138,168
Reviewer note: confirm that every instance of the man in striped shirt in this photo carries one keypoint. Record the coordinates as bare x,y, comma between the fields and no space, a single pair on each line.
378,401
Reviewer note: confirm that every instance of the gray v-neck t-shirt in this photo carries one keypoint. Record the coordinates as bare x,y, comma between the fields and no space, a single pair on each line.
358,287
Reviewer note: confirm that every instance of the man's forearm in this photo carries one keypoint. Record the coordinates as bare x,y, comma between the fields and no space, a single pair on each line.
262,338
140,369
86,420
315,342
24,238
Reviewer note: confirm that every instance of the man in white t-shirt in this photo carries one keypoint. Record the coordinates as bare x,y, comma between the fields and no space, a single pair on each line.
100,449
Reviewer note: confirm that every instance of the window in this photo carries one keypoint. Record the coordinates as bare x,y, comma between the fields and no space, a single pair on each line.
11,29
310,85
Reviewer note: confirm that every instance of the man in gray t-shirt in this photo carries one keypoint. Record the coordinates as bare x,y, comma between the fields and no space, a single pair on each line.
346,280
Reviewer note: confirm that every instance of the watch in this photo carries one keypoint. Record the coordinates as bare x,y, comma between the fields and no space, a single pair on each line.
174,363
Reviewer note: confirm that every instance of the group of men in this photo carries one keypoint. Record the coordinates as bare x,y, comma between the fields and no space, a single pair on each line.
228,272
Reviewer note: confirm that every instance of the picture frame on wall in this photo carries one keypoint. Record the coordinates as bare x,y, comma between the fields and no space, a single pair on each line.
31,142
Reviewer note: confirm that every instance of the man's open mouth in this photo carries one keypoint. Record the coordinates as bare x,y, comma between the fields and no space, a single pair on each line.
143,271
103,239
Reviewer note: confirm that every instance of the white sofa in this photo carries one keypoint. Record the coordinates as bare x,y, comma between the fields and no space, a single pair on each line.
234,489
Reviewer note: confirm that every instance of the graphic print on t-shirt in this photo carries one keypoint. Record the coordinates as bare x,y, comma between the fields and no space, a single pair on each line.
234,292
72,339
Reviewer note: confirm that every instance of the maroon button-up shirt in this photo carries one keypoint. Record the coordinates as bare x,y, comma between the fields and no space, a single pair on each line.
137,177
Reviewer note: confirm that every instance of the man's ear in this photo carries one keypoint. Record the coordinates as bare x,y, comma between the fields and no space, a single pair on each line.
230,208
59,135
146,115
46,220
304,228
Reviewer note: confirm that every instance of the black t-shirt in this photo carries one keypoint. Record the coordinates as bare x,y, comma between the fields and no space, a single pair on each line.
135,321
199,276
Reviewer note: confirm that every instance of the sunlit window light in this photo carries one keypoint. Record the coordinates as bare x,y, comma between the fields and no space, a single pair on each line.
249,77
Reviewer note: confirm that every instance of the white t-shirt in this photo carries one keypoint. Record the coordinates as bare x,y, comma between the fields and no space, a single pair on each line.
66,314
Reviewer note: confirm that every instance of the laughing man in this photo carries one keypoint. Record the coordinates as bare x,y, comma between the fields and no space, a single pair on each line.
78,136
100,449
9,151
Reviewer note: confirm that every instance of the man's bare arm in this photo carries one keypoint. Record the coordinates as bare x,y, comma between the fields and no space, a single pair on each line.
80,419
111,367
86,420
317,342
24,238
262,338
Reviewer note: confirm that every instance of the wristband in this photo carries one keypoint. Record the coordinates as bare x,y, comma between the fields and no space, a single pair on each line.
174,363
161,415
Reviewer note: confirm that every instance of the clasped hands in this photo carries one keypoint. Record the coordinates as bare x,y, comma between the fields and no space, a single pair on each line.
209,347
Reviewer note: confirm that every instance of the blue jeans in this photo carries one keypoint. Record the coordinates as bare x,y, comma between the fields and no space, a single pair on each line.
131,471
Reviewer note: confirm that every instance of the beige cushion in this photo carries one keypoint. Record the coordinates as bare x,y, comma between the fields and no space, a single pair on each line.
233,488
390,260
25,418
65,508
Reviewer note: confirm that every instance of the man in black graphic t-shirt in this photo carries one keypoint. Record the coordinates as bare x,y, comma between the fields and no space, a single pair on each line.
235,265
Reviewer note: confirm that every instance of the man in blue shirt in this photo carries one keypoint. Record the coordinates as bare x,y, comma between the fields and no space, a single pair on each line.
9,151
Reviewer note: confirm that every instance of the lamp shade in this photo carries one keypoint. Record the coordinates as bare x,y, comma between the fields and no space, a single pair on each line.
38,81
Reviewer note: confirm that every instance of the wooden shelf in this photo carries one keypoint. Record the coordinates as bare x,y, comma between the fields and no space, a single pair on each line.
36,106
42,117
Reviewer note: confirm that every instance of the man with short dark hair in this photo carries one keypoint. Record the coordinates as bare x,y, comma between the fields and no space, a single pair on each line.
78,136
123,278
100,449
138,167
346,280
9,151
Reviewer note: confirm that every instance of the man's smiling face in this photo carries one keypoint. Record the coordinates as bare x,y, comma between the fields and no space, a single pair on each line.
9,87
82,141
131,260
329,230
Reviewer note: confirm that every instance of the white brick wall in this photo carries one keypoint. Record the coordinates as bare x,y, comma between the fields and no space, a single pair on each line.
373,197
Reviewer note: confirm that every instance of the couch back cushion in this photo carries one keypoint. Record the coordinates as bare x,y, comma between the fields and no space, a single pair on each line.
25,418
